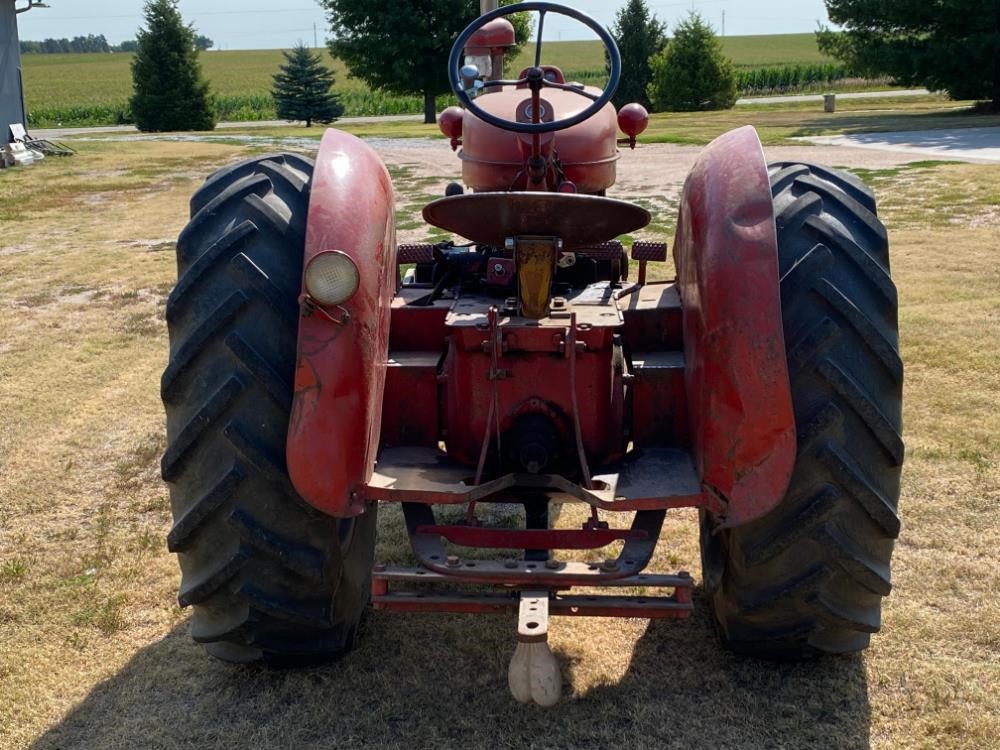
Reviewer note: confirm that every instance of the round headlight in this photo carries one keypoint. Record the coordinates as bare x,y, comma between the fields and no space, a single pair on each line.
331,277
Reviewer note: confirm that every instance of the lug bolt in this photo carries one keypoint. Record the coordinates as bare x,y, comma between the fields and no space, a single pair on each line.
453,561
552,564
510,563
609,564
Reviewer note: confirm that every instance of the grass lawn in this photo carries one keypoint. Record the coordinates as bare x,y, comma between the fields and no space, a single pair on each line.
776,123
94,652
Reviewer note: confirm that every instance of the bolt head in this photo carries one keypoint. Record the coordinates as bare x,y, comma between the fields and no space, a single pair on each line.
453,561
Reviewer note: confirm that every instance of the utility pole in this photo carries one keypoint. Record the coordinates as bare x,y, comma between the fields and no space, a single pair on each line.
723,23
316,39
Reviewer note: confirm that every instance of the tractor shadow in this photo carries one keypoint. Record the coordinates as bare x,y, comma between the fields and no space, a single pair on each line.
437,681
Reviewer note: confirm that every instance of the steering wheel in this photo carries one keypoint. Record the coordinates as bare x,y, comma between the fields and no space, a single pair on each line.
535,76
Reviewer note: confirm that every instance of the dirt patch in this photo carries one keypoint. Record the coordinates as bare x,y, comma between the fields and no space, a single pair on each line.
652,174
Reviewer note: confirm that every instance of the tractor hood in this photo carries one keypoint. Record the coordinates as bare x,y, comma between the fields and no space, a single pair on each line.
492,158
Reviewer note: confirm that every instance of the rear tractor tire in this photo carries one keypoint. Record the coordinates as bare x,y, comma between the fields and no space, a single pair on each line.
270,579
809,577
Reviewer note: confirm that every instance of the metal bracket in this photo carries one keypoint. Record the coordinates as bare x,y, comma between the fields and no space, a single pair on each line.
635,555
433,596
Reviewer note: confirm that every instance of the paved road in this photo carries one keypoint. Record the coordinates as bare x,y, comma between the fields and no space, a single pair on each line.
819,97
965,144
65,132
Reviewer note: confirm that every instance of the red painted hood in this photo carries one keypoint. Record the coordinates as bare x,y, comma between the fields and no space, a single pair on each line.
588,151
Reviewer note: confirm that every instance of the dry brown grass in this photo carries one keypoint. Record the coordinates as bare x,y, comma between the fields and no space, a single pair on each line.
94,652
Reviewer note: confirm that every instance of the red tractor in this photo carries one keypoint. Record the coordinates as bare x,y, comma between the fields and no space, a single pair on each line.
317,370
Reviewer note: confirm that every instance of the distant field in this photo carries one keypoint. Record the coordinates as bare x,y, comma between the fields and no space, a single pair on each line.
92,89
774,49
745,51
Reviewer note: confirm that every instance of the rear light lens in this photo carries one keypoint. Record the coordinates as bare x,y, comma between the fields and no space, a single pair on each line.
332,277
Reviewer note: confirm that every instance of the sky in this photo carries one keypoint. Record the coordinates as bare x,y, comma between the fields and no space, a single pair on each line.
260,24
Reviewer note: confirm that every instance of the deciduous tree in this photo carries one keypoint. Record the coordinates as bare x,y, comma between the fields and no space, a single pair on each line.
170,92
946,45
403,46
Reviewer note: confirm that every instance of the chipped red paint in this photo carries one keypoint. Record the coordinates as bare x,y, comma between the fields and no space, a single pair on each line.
333,433
739,399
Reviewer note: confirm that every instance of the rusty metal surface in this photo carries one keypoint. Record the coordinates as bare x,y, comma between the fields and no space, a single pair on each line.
591,605
739,399
578,220
535,258
492,158
427,475
410,401
497,538
642,480
417,327
442,596
611,250
411,574
595,306
415,253
654,474
533,617
659,401
635,555
649,251
534,367
340,369
653,318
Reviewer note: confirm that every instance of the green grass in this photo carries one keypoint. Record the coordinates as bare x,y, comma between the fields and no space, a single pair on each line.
95,653
773,49
777,124
93,89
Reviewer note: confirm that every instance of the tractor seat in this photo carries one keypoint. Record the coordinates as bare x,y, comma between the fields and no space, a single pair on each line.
578,220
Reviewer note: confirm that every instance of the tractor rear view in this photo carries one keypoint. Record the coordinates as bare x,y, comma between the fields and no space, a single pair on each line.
318,369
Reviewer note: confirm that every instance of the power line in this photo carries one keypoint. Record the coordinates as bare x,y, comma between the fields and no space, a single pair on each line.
196,14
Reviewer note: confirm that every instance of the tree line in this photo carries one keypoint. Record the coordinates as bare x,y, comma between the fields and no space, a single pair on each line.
93,43
933,44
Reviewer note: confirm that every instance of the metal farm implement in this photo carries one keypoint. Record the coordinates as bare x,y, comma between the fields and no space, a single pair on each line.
318,370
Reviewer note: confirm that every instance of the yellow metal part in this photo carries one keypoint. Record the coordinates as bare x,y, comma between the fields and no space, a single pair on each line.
536,263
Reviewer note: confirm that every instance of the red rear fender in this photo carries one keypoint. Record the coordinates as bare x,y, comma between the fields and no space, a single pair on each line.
333,433
736,376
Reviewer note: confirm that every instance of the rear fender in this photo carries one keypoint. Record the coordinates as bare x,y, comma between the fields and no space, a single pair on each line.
736,375
333,432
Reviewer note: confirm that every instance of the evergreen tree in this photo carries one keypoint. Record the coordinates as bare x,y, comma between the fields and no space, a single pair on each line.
403,47
170,93
947,45
692,73
639,36
302,89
